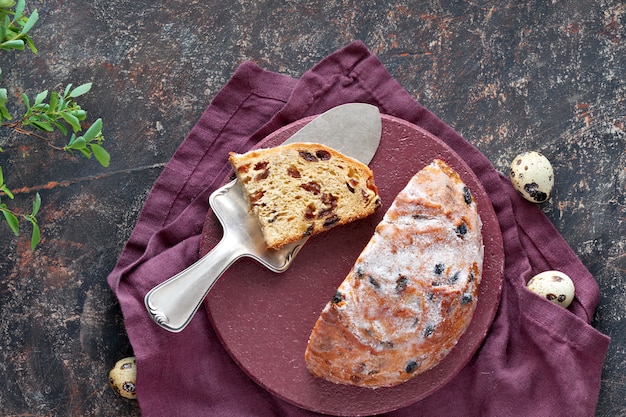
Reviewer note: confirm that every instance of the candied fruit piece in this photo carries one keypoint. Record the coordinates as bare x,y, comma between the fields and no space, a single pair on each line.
467,196
323,155
411,367
307,156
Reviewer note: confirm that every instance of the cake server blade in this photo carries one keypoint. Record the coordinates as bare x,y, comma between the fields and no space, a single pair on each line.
353,129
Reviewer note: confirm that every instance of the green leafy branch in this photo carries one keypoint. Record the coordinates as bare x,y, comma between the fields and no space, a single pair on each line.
11,217
48,113
62,112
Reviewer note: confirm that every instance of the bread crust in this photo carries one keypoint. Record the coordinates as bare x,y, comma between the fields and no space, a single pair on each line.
302,189
411,293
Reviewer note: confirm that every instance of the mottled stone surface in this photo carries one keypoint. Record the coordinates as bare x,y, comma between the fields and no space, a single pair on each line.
508,75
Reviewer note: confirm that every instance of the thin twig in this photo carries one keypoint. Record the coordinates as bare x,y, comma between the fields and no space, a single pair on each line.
16,126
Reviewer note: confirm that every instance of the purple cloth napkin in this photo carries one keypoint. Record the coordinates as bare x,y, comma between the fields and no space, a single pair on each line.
537,360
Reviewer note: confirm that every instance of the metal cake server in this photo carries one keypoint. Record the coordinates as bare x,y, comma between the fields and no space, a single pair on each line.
353,129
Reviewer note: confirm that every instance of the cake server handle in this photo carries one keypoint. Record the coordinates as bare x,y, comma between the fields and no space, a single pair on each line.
173,303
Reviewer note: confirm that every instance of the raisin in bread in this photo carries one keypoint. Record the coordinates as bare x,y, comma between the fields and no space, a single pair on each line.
302,189
411,293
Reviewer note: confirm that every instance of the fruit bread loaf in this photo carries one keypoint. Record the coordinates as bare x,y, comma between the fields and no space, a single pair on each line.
411,293
302,189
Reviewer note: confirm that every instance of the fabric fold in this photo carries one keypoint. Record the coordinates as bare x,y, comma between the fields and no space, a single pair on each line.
538,359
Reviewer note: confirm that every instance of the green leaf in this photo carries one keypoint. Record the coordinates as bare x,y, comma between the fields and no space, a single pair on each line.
31,44
71,141
54,100
34,16
62,104
19,9
41,97
13,44
4,112
78,143
59,126
72,120
80,90
67,90
12,221
36,205
26,101
35,237
94,130
3,186
7,3
41,125
101,154
41,108
80,114
86,152
6,190
4,26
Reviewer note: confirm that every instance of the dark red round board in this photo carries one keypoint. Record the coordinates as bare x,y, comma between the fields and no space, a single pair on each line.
264,319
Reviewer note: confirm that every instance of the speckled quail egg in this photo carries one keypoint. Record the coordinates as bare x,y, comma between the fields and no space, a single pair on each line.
554,286
532,175
123,376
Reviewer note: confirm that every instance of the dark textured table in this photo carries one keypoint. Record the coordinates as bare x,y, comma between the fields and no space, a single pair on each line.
508,75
